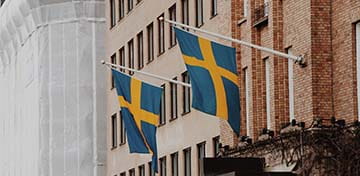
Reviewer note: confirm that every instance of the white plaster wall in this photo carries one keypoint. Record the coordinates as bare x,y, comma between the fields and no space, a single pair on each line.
186,131
52,94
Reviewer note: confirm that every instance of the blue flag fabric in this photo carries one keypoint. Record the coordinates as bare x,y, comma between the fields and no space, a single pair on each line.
140,109
213,75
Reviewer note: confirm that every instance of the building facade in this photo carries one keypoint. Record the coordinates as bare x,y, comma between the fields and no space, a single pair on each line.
137,39
275,90
52,88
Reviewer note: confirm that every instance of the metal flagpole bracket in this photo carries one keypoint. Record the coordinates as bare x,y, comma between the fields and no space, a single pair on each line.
301,61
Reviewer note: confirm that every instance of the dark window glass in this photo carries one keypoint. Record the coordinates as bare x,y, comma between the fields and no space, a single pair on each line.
213,8
112,13
151,171
113,61
201,156
142,170
123,174
163,166
216,145
199,13
122,58
162,107
187,162
174,164
140,49
114,130
185,12
172,15
161,35
186,93
173,97
150,34
121,9
131,55
130,5
132,172
122,131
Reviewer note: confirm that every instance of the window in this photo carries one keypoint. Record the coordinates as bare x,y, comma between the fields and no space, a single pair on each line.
185,12
216,145
161,35
131,55
112,13
122,58
123,174
291,86
213,8
132,172
162,106
201,156
151,171
113,61
199,13
140,49
172,16
247,101
358,65
114,130
267,89
174,164
266,8
173,97
150,42
138,1
163,166
245,8
186,93
122,131
142,170
187,162
121,9
130,5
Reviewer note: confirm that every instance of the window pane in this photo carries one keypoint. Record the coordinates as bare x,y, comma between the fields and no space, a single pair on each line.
132,172
199,13
142,170
201,156
151,171
173,93
112,13
113,61
150,33
140,50
130,5
122,58
213,7
186,93
161,35
216,145
163,107
187,162
114,130
131,55
163,166
121,9
172,14
185,11
122,131
174,164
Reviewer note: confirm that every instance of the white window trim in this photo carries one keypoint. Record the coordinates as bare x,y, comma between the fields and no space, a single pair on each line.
358,65
291,87
268,98
245,7
247,102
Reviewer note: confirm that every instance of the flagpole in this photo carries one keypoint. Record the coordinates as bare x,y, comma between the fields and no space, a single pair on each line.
147,74
297,59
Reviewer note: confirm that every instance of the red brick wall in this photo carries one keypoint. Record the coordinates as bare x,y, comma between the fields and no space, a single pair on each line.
323,30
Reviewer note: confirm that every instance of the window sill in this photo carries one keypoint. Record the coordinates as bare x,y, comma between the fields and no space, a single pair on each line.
185,113
161,53
149,61
121,144
172,46
241,21
213,16
200,25
173,119
113,148
160,125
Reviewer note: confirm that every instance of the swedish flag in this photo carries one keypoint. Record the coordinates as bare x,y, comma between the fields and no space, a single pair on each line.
140,109
213,75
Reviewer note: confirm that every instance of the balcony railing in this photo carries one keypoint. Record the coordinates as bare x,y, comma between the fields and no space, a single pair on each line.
261,14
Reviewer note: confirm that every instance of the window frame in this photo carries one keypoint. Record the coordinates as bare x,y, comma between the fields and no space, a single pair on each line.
114,131
199,13
161,35
112,14
267,91
213,8
131,55
185,12
216,145
141,170
130,5
174,164
150,42
247,100
121,9
187,153
122,59
140,50
132,172
113,61
173,100
122,130
162,163
201,154
162,120
186,93
172,16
